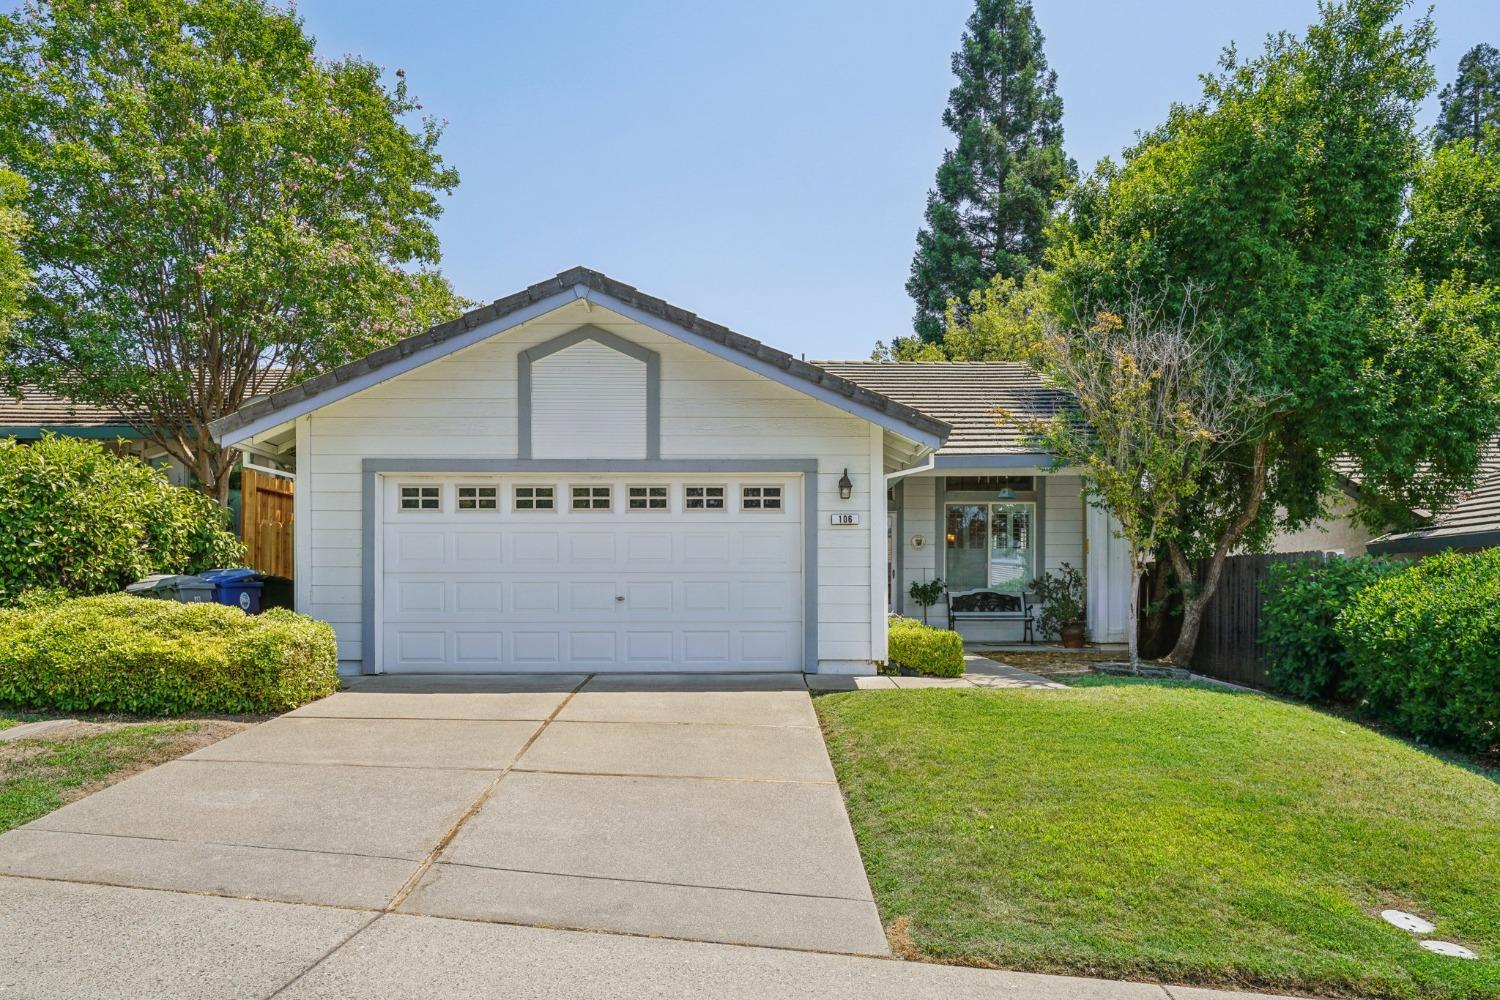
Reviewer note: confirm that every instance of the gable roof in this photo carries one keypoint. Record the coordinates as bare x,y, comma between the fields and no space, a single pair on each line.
542,297
965,394
1472,523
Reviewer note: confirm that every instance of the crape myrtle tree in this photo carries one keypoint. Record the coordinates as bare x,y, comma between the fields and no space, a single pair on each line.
1280,194
1472,101
999,185
214,209
1156,403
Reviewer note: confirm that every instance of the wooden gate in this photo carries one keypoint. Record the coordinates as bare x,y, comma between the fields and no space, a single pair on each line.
266,521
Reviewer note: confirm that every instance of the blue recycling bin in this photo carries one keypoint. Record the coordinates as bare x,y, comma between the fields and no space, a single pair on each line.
238,588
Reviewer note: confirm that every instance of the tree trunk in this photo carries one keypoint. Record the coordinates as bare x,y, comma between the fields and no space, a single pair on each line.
1133,622
1195,599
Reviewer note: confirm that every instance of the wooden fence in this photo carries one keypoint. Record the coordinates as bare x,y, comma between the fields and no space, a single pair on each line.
1229,645
266,522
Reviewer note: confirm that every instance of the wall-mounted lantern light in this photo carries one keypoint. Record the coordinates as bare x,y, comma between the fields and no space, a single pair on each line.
846,486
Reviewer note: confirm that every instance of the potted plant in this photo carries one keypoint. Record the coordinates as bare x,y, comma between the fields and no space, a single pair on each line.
926,594
1062,598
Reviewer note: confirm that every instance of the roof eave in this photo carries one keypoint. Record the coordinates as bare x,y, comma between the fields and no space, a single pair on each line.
1415,542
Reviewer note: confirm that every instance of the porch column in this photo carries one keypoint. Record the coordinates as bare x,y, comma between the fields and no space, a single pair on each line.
1108,569
879,625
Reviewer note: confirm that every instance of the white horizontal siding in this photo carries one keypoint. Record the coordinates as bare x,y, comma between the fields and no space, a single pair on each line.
1064,523
465,406
588,401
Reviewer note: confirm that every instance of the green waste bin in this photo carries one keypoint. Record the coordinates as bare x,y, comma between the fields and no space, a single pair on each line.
180,587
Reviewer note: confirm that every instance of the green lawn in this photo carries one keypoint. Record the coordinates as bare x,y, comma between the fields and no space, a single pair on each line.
1169,832
36,776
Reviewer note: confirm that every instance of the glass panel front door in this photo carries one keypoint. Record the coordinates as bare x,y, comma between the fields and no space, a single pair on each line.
967,543
989,546
1010,547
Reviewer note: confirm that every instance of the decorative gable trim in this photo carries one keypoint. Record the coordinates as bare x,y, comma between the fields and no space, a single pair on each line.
530,356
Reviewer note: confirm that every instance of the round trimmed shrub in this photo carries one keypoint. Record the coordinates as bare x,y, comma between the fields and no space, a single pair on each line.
1305,657
77,517
1424,649
119,653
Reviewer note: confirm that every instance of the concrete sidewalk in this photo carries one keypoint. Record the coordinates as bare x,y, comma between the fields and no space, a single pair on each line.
65,940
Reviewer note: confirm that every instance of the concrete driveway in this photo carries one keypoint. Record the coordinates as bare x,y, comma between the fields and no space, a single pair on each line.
698,808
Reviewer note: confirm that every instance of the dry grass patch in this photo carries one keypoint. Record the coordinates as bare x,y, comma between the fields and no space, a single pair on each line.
42,774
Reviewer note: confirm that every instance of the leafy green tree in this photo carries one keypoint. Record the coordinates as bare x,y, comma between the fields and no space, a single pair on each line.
1453,230
997,188
14,278
1296,245
1471,102
1003,322
214,209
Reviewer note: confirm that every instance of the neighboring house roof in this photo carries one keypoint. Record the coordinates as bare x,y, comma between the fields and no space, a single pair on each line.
969,395
31,412
1472,523
579,282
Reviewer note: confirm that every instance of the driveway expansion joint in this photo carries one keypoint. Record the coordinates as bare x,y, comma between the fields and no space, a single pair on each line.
426,863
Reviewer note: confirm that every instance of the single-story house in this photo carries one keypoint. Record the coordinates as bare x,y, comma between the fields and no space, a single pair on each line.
582,476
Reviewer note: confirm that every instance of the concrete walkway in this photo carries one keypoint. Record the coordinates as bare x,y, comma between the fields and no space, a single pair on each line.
576,836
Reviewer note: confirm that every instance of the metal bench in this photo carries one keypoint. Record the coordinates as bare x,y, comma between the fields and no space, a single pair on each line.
992,605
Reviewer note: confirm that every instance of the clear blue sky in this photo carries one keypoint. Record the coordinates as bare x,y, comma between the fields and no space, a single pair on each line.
762,164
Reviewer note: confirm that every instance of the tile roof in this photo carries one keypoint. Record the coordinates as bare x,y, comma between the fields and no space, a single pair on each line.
33,407
965,394
1472,522
556,285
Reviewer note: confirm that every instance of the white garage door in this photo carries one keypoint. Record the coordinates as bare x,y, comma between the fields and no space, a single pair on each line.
588,572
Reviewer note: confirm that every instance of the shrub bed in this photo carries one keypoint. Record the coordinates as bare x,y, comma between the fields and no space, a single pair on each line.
928,650
130,654
1424,649
75,516
1306,657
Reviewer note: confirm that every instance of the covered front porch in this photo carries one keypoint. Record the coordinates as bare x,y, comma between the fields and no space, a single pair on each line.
993,528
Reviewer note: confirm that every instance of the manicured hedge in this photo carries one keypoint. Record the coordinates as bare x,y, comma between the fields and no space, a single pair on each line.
76,516
1424,649
131,654
934,651
1305,656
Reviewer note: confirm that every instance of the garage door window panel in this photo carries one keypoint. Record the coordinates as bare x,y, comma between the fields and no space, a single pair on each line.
593,498
703,497
646,498
418,498
762,498
475,498
533,498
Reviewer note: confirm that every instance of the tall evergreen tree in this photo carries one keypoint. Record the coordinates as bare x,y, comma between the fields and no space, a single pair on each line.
997,187
1472,101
